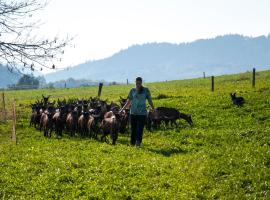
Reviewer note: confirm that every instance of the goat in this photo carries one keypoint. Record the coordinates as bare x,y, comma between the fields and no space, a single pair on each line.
82,124
167,115
59,121
72,121
239,101
110,126
46,121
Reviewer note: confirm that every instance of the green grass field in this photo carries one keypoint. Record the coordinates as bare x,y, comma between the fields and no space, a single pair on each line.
225,155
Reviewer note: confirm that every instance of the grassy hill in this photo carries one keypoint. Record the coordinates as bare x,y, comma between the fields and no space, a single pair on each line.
225,155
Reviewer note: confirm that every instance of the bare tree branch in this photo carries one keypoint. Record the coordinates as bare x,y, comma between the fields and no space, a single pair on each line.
17,46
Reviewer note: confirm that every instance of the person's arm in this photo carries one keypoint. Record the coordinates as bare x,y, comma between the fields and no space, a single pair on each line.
151,104
149,98
128,103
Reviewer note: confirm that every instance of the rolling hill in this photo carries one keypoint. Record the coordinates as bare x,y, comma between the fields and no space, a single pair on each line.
166,61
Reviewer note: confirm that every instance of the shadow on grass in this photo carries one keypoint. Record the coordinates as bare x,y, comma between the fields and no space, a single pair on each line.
122,139
167,152
181,125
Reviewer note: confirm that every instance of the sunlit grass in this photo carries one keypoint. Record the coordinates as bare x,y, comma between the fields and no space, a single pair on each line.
225,155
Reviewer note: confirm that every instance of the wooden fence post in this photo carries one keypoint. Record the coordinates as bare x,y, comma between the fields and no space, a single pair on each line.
127,81
13,136
203,74
4,107
100,89
254,77
213,83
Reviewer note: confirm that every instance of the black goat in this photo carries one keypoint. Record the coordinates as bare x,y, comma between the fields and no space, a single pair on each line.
239,101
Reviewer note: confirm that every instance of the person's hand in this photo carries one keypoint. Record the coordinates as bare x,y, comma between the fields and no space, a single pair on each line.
121,110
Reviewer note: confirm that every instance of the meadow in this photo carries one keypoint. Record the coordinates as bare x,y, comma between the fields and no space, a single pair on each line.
225,155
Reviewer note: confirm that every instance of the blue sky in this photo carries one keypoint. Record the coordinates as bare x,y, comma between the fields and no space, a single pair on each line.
103,27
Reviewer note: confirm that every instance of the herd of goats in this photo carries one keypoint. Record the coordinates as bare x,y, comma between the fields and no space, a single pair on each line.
88,118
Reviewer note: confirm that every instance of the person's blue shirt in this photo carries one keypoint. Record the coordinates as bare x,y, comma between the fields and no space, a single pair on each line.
138,105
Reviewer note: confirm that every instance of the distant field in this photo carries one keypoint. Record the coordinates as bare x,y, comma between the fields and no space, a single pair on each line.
225,155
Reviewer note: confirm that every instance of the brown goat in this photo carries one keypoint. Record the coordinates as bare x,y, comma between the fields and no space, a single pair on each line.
110,126
72,123
58,122
85,123
90,126
46,123
167,115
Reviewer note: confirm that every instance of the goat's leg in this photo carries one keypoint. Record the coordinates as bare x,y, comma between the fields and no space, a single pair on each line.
45,132
84,131
40,127
50,132
74,129
106,139
173,122
102,138
90,131
95,133
60,132
71,131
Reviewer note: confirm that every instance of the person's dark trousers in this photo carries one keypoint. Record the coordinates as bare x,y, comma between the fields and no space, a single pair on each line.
137,124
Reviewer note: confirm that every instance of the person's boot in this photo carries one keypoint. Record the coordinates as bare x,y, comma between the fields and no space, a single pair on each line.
138,144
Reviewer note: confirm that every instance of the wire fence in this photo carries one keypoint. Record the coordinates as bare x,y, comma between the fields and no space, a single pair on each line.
8,114
3,112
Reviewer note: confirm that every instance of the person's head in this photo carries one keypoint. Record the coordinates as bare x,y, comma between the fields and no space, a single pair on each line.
139,83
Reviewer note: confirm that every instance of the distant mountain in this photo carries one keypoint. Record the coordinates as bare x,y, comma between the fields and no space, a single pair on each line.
7,77
165,61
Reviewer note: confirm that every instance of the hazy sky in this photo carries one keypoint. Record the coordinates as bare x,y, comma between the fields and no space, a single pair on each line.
103,27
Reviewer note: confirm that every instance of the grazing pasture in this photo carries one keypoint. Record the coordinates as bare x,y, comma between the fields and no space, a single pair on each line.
225,154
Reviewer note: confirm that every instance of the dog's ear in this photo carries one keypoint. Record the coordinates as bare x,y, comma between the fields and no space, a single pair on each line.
234,94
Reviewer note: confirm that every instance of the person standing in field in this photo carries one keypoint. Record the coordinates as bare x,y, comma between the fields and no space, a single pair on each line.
137,99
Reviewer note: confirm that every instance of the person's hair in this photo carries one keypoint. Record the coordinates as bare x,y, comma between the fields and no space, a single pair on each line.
139,79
